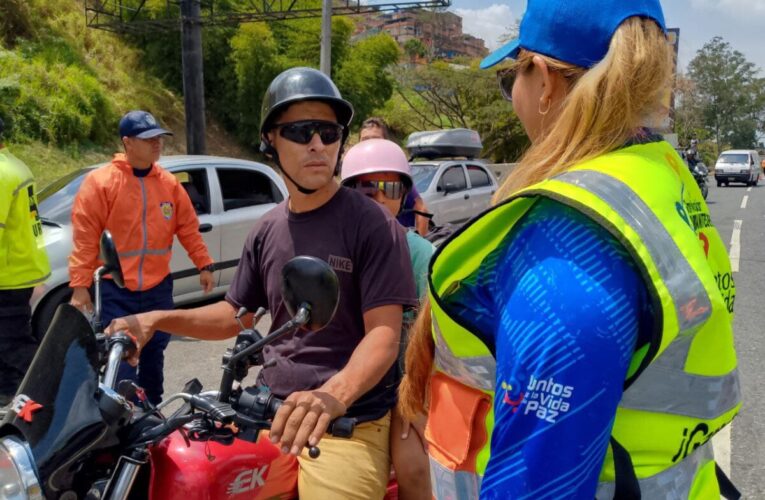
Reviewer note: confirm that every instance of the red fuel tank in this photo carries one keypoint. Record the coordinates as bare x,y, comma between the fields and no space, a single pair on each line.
208,470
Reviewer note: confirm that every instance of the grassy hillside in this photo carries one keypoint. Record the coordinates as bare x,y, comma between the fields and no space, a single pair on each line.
64,86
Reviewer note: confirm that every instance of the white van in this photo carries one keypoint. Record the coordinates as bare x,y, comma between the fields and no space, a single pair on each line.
738,165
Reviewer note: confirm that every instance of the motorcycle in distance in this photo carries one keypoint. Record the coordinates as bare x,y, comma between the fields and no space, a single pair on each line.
71,432
698,169
700,173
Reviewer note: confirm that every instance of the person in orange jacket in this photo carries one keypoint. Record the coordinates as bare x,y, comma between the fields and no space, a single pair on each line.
143,206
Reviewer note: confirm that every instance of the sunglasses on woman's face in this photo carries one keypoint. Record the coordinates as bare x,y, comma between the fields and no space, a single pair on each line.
393,190
303,131
506,80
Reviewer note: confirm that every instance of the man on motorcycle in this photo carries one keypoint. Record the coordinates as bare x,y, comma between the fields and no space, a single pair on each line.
692,154
348,367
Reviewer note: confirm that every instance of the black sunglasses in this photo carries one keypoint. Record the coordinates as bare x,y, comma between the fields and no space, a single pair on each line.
506,80
302,131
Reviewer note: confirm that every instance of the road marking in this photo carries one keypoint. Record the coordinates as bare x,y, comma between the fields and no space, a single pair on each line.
721,443
743,202
735,245
748,190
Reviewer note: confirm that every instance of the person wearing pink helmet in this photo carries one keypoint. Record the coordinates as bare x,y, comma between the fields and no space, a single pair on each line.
379,169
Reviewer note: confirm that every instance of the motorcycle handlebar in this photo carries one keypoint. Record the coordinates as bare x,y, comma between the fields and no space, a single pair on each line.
250,417
341,427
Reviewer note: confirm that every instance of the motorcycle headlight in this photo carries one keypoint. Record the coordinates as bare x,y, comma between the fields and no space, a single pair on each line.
18,480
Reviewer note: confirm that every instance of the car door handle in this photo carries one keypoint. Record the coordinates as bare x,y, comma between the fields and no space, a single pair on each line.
467,196
205,228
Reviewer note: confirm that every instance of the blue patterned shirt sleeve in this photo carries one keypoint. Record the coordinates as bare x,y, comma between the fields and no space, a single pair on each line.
563,305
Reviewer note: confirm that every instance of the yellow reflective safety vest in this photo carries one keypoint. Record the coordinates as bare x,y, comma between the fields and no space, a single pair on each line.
680,389
23,261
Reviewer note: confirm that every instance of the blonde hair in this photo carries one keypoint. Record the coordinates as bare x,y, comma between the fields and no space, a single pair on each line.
605,105
418,365
602,110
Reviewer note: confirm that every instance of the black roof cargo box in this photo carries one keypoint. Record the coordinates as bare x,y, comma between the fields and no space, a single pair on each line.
444,143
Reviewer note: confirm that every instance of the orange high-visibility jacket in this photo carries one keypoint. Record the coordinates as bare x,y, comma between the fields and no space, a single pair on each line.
143,214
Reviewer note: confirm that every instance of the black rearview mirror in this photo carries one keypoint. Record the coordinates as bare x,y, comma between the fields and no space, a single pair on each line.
108,254
310,281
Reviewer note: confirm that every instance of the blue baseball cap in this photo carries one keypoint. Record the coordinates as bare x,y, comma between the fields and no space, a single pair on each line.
574,31
141,124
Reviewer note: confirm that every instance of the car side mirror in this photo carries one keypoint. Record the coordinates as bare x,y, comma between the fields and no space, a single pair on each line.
309,282
108,254
449,187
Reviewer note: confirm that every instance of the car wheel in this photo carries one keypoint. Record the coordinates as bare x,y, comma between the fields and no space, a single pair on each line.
45,311
719,183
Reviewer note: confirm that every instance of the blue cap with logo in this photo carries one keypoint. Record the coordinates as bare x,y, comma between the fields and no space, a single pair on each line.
141,124
574,31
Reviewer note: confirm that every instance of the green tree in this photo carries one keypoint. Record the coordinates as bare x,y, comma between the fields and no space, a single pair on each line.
255,57
731,96
414,49
363,77
446,96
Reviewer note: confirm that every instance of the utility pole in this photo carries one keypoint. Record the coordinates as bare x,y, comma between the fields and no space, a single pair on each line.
193,77
326,37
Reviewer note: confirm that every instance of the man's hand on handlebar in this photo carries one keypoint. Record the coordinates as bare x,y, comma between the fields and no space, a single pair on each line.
303,419
140,327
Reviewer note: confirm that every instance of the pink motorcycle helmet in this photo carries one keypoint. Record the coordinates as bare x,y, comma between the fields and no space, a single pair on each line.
376,155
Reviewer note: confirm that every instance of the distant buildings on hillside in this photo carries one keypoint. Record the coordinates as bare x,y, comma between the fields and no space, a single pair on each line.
440,32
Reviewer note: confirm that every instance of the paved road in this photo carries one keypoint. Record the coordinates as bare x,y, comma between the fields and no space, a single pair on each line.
744,447
738,213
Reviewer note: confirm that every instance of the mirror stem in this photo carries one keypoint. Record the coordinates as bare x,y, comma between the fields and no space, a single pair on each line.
300,319
96,321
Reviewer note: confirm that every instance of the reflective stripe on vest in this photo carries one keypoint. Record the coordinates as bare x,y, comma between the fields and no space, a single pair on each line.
672,483
688,294
657,387
22,186
451,484
476,371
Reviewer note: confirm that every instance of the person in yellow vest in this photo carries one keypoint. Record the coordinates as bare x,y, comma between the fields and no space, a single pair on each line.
23,265
579,342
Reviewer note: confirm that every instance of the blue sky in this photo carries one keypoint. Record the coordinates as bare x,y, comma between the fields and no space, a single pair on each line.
740,22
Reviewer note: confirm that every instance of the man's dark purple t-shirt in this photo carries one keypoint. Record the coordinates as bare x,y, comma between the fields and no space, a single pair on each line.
368,251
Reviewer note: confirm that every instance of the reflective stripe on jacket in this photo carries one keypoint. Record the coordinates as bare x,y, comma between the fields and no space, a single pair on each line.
23,261
679,391
143,214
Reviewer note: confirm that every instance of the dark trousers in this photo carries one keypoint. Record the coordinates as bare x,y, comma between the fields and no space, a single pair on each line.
17,344
118,302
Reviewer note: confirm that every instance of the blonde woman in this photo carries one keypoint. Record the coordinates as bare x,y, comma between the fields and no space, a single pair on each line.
580,340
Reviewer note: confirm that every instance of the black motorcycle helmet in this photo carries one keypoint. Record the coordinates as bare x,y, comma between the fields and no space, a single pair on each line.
296,85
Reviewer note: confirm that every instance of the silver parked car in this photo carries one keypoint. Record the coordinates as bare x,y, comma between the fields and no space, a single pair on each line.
229,195
454,190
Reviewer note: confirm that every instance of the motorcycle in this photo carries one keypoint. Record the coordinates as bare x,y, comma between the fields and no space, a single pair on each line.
72,432
700,173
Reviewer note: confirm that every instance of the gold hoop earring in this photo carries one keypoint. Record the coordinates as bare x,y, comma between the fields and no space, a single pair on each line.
545,111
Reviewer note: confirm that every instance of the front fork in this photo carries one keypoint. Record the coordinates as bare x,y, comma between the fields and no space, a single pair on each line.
124,475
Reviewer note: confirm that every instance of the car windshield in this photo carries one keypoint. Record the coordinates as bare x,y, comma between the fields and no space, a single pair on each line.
56,199
423,175
734,158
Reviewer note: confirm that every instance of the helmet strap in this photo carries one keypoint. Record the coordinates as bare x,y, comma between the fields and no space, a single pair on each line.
267,149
